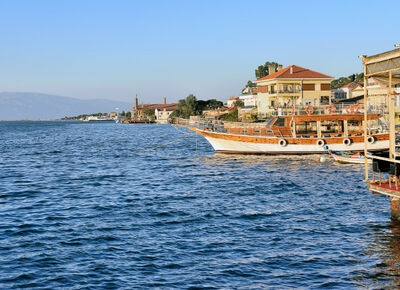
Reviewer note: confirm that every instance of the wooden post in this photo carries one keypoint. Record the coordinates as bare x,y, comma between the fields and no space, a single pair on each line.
365,119
319,129
392,133
395,208
345,128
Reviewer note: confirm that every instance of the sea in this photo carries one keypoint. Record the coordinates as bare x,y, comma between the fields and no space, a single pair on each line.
122,206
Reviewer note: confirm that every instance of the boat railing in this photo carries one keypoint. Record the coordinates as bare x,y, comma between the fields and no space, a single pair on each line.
203,124
332,109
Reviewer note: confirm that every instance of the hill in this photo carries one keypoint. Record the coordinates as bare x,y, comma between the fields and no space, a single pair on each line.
35,106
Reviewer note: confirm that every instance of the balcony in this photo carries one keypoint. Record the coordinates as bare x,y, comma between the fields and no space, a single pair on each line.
289,89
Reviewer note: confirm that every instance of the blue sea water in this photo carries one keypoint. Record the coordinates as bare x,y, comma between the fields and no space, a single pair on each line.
87,205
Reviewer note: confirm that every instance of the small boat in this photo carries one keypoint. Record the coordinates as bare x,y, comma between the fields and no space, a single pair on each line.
348,157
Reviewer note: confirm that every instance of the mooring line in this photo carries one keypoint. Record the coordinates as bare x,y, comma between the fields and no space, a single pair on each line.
186,133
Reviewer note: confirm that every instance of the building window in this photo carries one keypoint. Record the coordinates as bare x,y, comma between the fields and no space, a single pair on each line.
325,87
308,87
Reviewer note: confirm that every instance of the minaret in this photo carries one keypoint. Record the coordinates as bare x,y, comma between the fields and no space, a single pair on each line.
136,103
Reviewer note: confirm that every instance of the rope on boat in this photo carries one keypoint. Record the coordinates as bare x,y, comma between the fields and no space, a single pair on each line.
183,132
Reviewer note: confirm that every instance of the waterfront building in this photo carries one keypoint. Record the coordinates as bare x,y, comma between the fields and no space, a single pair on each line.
231,102
217,113
292,86
348,91
161,112
249,108
249,91
248,100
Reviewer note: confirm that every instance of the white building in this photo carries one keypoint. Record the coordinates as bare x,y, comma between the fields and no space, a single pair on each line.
248,100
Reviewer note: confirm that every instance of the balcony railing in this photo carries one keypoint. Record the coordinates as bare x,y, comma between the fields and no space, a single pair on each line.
289,91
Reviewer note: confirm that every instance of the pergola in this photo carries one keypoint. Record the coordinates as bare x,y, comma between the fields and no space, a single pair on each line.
384,67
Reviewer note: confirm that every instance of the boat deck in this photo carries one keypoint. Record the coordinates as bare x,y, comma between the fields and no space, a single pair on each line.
384,187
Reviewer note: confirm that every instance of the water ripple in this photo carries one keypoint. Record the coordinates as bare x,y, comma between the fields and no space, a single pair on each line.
83,206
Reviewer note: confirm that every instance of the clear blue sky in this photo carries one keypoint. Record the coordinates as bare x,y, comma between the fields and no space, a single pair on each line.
116,49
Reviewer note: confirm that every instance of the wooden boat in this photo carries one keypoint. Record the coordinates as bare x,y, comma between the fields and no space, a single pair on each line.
297,134
346,157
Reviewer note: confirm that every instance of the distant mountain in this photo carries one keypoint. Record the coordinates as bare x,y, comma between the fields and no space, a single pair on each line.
34,106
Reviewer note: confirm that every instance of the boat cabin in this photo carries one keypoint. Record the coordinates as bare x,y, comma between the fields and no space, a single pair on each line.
306,126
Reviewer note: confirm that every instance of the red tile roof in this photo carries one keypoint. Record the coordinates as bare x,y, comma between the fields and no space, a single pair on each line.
168,107
298,72
351,85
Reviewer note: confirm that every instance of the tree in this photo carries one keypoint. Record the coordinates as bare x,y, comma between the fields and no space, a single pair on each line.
263,70
186,107
232,116
339,82
249,84
148,112
238,103
193,107
211,104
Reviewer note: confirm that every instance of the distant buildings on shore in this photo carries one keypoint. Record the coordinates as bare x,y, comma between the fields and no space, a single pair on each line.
158,113
279,92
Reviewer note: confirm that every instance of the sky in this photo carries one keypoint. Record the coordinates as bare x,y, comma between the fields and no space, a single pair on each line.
210,48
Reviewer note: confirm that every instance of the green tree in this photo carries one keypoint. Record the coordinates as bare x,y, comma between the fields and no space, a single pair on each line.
360,78
238,103
150,114
339,82
232,116
211,104
190,106
249,84
263,70
186,107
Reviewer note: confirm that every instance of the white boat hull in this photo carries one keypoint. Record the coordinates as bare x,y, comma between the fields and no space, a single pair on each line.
221,145
342,159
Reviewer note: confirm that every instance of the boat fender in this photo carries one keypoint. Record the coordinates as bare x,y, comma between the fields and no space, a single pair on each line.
371,139
282,142
321,142
325,147
347,141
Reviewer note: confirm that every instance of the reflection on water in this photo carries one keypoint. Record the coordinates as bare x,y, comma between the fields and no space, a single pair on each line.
383,255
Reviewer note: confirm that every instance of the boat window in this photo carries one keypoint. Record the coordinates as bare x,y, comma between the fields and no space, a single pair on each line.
280,122
269,122
329,127
306,127
354,126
